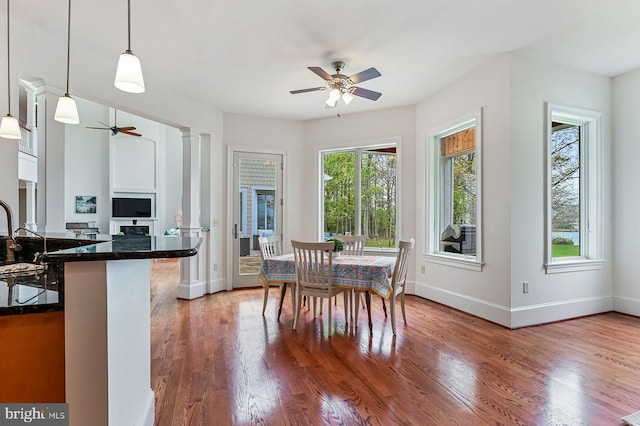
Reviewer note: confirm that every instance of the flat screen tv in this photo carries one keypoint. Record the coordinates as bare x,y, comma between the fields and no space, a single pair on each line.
131,207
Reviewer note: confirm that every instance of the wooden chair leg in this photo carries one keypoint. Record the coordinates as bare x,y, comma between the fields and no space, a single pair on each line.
367,298
392,301
384,308
283,290
357,297
404,314
266,296
297,312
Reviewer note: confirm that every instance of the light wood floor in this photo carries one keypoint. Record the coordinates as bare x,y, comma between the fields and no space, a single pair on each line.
217,361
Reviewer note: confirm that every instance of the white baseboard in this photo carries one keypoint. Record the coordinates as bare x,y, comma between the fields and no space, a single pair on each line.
478,307
549,312
191,289
626,305
216,286
522,316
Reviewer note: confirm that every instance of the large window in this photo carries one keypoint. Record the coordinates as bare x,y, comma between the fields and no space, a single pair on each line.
360,194
573,188
455,197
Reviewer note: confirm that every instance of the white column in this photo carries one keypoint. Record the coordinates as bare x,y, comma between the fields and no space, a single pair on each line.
31,206
108,343
191,284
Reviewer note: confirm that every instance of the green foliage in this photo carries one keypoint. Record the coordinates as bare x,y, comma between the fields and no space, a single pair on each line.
337,244
564,250
562,240
464,188
377,191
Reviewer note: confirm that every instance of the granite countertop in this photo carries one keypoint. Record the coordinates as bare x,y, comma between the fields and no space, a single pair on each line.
44,292
118,247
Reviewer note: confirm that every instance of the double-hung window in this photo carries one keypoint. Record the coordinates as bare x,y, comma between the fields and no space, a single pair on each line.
455,194
359,194
574,228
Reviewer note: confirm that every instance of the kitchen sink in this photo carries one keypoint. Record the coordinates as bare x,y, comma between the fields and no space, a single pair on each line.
21,269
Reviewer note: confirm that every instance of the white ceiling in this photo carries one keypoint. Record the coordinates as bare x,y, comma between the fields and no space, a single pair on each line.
243,56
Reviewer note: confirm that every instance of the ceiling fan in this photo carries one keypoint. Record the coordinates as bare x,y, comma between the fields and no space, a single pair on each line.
342,86
115,129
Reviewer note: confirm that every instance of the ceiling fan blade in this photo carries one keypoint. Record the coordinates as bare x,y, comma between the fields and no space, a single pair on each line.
313,89
365,93
322,73
104,124
99,128
127,128
365,75
127,132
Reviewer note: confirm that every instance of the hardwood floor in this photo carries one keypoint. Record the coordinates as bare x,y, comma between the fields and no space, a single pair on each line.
217,361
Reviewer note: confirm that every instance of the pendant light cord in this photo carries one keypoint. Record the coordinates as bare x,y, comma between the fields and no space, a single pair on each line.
8,65
68,45
128,26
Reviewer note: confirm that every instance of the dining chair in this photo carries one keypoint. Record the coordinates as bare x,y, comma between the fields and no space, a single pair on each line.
398,280
269,247
314,273
354,245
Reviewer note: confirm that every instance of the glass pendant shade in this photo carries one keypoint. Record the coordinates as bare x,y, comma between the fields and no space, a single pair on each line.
10,128
347,98
331,102
67,111
129,74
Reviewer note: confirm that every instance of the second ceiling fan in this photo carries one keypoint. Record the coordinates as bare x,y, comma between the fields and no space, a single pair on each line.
342,86
128,130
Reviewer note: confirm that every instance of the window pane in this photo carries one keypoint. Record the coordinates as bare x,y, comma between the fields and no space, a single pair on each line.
379,199
565,190
458,198
360,194
339,193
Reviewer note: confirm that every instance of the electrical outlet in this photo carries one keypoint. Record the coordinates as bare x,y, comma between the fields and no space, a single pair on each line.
423,269
525,287
215,267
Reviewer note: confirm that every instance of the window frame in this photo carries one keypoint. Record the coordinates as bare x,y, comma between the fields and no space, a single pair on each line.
358,150
591,228
434,206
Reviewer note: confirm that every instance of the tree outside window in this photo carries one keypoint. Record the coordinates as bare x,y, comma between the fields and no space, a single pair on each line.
360,194
565,190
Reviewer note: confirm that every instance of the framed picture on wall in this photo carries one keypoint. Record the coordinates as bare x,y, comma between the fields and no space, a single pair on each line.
85,203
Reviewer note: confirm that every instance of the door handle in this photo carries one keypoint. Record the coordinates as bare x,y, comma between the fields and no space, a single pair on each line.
235,231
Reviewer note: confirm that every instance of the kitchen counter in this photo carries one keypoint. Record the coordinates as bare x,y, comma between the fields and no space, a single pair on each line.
42,290
103,329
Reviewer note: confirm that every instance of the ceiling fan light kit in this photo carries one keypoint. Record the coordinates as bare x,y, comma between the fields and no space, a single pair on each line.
67,110
129,72
341,86
9,127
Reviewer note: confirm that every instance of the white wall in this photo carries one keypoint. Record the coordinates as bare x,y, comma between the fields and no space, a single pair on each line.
626,175
562,295
87,162
272,135
485,293
361,129
512,91
86,170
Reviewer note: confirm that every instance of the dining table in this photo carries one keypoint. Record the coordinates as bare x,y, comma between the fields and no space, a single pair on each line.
359,273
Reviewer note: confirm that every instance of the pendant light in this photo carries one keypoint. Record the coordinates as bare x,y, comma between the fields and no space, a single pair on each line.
9,127
67,111
129,72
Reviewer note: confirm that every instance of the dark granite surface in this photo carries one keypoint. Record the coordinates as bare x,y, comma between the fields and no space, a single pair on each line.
44,292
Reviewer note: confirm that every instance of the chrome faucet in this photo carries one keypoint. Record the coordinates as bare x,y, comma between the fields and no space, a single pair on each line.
12,244
38,255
